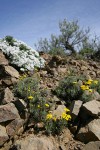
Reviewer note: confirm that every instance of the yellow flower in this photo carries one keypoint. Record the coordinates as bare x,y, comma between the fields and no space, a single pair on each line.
49,116
84,87
38,106
64,115
30,97
74,82
88,82
68,117
90,90
66,110
95,81
47,105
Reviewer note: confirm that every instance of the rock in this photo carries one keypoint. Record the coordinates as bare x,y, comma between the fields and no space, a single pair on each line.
92,74
3,60
58,112
7,96
98,73
90,132
75,108
96,95
61,70
92,146
94,128
9,81
8,112
35,143
20,104
92,108
43,73
14,126
11,71
83,68
3,135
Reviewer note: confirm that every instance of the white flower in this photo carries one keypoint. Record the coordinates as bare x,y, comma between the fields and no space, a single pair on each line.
25,59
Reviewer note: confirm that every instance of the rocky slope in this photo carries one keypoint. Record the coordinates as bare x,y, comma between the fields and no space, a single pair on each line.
13,117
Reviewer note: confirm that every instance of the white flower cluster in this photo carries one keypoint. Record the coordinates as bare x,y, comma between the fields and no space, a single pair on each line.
25,59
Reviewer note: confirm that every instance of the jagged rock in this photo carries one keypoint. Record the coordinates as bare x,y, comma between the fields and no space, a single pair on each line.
92,108
11,71
94,128
92,146
84,68
58,112
98,73
75,108
3,60
14,126
43,73
35,143
61,70
7,96
8,112
9,81
20,104
75,63
90,132
3,135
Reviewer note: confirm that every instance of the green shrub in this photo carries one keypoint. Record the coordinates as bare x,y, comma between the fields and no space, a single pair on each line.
57,51
39,106
10,40
26,86
23,47
70,89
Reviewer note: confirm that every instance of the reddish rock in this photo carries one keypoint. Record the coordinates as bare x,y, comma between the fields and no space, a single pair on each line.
13,127
3,60
7,96
3,135
8,112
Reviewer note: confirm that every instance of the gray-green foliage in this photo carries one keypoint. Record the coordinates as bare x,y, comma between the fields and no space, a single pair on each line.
70,37
10,40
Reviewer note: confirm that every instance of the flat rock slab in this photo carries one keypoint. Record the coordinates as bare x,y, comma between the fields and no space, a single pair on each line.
11,71
92,107
8,112
94,127
3,135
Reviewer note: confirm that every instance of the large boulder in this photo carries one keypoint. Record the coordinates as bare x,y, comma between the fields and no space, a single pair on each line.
8,112
90,132
92,108
35,143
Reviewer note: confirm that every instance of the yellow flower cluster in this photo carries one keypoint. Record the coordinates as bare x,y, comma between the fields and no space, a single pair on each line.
30,97
47,105
49,116
87,84
65,116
